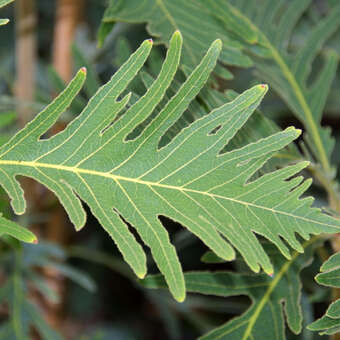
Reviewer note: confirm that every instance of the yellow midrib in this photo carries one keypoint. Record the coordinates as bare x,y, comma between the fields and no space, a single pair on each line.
114,177
272,286
309,120
284,269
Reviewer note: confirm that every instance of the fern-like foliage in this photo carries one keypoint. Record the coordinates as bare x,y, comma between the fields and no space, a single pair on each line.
20,263
329,276
263,29
257,126
8,227
166,16
273,23
274,299
189,179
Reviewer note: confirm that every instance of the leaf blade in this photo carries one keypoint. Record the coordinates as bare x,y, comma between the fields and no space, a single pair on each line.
11,228
132,181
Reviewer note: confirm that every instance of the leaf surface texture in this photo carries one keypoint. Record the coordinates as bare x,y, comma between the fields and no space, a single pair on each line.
329,276
273,299
189,180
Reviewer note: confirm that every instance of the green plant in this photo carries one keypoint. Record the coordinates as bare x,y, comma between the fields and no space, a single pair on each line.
8,227
168,141
20,263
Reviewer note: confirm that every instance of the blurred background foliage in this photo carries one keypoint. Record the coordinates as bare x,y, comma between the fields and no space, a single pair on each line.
75,285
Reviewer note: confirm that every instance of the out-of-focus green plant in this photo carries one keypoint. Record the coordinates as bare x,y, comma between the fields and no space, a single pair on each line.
23,267
163,138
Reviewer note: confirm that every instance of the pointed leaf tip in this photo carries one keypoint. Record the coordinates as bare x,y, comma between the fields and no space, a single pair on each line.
83,69
177,34
180,299
141,275
304,164
297,131
150,41
293,130
35,241
218,43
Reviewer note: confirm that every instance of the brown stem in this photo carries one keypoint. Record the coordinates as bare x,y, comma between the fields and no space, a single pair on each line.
25,45
68,15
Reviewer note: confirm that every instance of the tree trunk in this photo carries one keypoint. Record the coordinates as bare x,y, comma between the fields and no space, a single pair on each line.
68,15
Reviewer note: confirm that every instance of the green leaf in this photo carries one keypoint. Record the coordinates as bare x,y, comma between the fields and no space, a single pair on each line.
58,85
274,299
44,289
330,271
329,276
263,29
104,30
166,16
273,23
2,4
75,275
5,2
6,118
17,290
91,84
211,257
45,331
11,228
257,126
189,179
17,300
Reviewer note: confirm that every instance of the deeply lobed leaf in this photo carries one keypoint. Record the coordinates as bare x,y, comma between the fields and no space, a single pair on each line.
189,179
287,72
8,227
329,276
274,299
262,30
165,16
2,4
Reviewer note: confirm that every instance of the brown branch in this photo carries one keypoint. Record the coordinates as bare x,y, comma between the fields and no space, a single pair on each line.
68,16
25,45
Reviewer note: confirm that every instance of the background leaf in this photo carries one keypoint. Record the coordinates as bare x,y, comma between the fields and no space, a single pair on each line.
263,30
166,16
274,299
329,276
11,228
288,72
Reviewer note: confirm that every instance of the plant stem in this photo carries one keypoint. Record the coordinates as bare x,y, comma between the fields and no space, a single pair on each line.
68,15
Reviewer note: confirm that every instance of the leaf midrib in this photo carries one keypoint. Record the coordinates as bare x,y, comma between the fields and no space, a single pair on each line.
271,287
284,269
114,177
310,122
